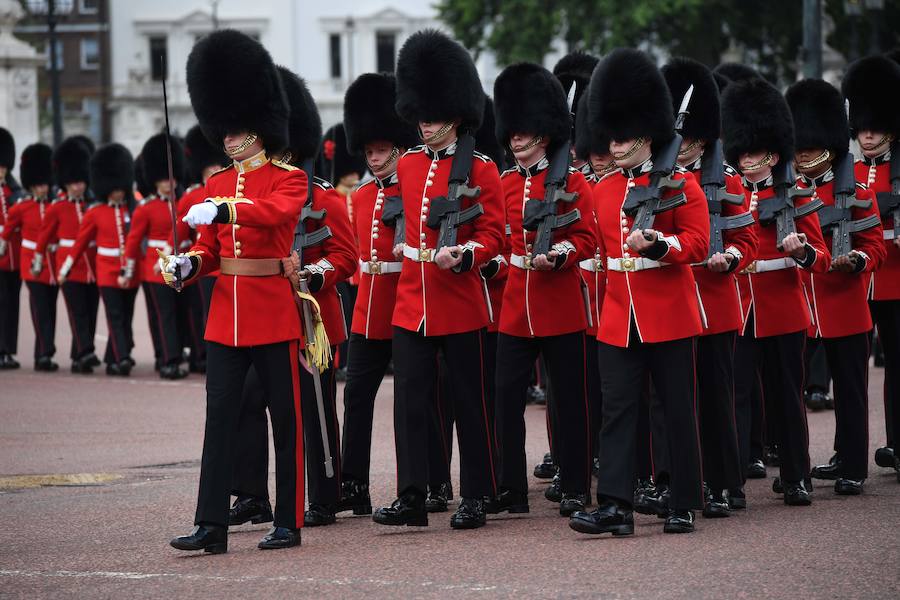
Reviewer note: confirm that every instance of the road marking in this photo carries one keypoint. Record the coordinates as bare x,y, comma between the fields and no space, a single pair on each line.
105,379
20,482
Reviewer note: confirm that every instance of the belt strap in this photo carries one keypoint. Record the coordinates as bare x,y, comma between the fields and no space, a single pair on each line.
773,264
157,243
379,267
66,243
419,254
250,267
630,265
888,233
30,244
592,265
111,252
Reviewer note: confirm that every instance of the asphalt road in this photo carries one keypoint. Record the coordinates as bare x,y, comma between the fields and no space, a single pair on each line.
121,458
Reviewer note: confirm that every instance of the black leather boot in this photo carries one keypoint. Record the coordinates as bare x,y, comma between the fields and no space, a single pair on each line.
209,538
545,469
408,509
278,538
507,501
252,509
609,517
355,497
469,515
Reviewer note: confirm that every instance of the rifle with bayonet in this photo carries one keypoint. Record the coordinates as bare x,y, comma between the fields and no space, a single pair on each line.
712,180
781,208
446,213
838,218
889,202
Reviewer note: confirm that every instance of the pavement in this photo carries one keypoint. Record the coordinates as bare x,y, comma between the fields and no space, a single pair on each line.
97,474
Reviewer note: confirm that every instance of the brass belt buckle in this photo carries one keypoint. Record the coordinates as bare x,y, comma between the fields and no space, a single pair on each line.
598,265
528,265
751,268
375,267
628,264
425,255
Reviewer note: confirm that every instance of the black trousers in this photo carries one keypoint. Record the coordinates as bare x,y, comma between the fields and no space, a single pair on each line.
850,359
623,372
82,303
10,289
594,394
42,301
414,379
347,295
818,375
652,444
191,321
749,407
565,358
718,431
278,369
162,314
440,425
119,307
886,314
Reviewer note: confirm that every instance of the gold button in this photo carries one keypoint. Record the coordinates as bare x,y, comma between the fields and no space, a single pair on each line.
421,236
624,230
237,252
240,186
237,244
237,226
374,236
238,194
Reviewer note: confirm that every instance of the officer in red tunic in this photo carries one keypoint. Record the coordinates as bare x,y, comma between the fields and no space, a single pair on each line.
758,133
245,229
872,85
716,283
838,297
24,221
441,303
10,282
375,131
545,307
105,226
648,280
71,165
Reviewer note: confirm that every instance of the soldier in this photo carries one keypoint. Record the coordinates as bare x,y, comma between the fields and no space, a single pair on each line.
838,296
152,223
71,166
716,283
250,212
871,85
10,282
629,102
105,224
24,221
758,136
546,311
441,305
375,131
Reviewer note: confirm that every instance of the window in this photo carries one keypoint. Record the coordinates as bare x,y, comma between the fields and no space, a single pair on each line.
88,7
334,41
90,54
159,58
59,56
385,51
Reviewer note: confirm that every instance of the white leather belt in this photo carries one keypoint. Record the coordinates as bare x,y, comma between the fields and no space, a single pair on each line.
593,265
379,267
772,264
521,262
630,265
30,244
66,243
157,244
112,252
419,254
1,228
888,233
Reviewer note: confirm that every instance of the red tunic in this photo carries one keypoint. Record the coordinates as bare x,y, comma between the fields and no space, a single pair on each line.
152,221
662,301
433,300
60,227
245,310
375,241
886,280
10,260
839,300
546,303
26,219
106,225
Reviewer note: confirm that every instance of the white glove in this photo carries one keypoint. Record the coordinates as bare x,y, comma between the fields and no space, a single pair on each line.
2,247
172,264
63,270
37,264
201,214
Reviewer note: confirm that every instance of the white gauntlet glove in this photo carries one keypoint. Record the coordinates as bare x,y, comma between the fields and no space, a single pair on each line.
201,214
3,246
37,264
172,264
63,270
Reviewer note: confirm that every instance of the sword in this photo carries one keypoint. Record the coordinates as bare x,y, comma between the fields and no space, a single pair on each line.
172,208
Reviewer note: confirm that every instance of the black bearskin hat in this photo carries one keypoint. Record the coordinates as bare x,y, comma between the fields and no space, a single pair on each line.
334,160
112,168
721,81
529,99
894,54
155,164
88,142
820,119
304,125
704,119
7,149
872,86
36,165
235,87
437,81
71,161
628,98
575,67
200,154
734,72
486,136
755,117
588,140
370,114
140,179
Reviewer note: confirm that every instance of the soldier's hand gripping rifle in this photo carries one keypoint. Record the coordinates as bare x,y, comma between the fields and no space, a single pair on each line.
645,202
889,202
838,218
781,208
446,213
541,214
713,182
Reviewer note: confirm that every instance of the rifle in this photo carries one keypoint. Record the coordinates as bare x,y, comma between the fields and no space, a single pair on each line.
447,213
713,182
645,202
392,216
781,208
837,218
889,202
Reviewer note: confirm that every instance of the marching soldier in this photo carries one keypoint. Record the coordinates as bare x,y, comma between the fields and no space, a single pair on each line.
71,165
758,135
251,211
441,305
152,223
105,225
648,278
716,283
838,297
10,282
24,221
